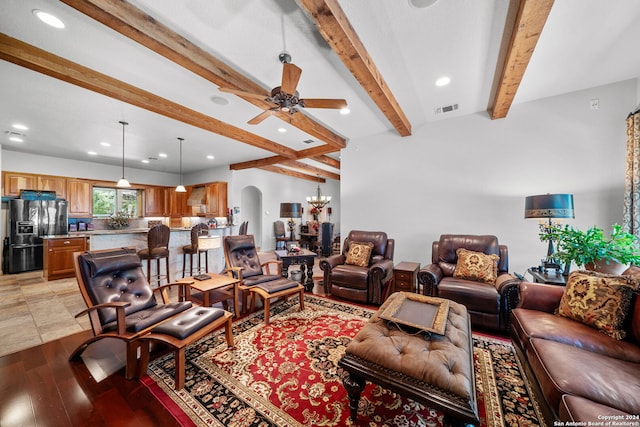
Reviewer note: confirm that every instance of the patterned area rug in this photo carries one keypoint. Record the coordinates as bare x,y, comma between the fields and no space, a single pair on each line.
286,374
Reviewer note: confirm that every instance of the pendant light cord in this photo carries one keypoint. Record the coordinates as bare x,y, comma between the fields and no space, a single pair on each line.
180,139
123,125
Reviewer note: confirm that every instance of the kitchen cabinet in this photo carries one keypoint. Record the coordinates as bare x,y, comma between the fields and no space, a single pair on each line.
53,183
216,197
154,201
13,182
58,256
80,197
177,203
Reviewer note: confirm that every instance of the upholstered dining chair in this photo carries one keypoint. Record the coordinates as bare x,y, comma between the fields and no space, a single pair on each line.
363,270
243,228
472,270
243,263
281,235
122,305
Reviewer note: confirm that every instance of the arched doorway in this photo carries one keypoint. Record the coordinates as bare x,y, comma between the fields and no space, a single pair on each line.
251,206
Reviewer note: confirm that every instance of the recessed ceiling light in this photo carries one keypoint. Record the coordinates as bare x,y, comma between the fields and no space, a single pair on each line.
48,18
162,155
443,81
421,4
219,100
344,111
144,161
19,126
16,139
92,153
210,157
282,130
105,144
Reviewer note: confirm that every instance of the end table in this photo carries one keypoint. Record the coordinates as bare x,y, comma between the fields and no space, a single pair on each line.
405,275
548,277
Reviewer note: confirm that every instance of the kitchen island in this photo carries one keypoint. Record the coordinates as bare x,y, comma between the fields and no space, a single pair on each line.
137,238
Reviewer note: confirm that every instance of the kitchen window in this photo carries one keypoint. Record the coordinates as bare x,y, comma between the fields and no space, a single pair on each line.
108,201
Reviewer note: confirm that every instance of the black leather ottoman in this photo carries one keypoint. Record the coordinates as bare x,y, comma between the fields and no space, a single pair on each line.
435,370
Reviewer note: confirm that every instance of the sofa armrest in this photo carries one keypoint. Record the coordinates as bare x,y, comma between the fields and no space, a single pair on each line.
330,262
508,287
540,296
382,269
429,276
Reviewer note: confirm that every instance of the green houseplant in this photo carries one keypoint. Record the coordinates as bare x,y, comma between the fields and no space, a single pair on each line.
591,248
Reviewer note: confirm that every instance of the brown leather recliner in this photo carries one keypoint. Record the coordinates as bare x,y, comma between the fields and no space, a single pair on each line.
361,284
488,304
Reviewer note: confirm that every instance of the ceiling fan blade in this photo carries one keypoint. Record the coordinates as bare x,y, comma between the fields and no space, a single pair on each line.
323,103
260,117
243,93
290,76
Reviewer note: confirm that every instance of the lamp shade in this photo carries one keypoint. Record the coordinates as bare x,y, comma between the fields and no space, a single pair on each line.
549,206
209,242
290,210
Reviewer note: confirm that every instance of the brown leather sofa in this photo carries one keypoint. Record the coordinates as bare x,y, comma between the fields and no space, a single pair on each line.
577,372
361,284
488,304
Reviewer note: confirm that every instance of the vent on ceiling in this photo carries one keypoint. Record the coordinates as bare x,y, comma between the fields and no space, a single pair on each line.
446,109
308,141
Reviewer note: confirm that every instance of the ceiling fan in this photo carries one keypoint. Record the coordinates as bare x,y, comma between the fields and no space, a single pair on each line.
285,97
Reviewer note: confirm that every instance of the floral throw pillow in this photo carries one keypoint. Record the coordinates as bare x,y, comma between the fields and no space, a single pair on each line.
359,254
602,301
476,266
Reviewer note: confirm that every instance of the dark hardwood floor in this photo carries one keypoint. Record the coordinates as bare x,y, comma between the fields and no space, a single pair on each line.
40,387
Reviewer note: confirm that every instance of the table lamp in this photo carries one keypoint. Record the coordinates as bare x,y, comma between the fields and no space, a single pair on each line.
291,211
550,206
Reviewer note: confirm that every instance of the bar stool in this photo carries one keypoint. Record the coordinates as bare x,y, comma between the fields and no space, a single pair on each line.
192,249
157,248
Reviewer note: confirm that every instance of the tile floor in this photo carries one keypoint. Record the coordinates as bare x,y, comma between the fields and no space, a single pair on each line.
33,311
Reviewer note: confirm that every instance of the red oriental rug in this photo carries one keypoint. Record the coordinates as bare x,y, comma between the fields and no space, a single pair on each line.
286,374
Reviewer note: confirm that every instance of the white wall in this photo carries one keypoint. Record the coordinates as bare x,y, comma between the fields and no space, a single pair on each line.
278,188
471,174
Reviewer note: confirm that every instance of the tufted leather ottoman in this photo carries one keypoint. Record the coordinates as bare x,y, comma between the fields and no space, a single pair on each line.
435,370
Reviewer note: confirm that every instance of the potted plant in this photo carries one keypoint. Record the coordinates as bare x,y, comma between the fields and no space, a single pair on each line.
119,220
592,249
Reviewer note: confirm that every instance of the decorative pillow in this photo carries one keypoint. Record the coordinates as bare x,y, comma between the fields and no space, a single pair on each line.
476,266
602,301
359,254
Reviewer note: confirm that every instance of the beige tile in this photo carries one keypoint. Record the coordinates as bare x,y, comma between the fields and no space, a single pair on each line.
51,311
55,330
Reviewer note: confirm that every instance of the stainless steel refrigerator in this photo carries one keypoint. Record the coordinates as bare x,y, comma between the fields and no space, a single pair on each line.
28,222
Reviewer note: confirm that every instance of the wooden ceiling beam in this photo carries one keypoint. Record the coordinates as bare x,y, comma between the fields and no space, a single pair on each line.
311,169
135,24
336,29
289,172
33,58
302,154
326,160
523,34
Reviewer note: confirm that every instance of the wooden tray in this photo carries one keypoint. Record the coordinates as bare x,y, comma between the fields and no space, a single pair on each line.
427,314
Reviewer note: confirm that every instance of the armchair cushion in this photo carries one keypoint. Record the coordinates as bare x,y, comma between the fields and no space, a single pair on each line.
359,254
602,301
476,266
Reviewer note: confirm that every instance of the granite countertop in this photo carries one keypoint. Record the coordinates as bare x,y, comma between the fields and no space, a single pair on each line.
119,231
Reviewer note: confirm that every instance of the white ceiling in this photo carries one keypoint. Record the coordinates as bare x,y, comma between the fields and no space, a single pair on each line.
585,43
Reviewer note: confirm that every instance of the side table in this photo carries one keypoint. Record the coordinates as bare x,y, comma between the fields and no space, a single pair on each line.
405,275
305,259
219,288
548,277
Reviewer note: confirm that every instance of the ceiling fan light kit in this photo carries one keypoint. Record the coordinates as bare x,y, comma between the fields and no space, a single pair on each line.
285,97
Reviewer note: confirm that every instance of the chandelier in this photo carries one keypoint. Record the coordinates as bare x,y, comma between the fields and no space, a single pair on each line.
319,201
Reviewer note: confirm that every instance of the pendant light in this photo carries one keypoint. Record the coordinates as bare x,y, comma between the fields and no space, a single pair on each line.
123,183
180,188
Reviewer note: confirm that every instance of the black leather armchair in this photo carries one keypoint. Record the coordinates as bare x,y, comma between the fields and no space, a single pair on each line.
122,305
489,304
361,284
